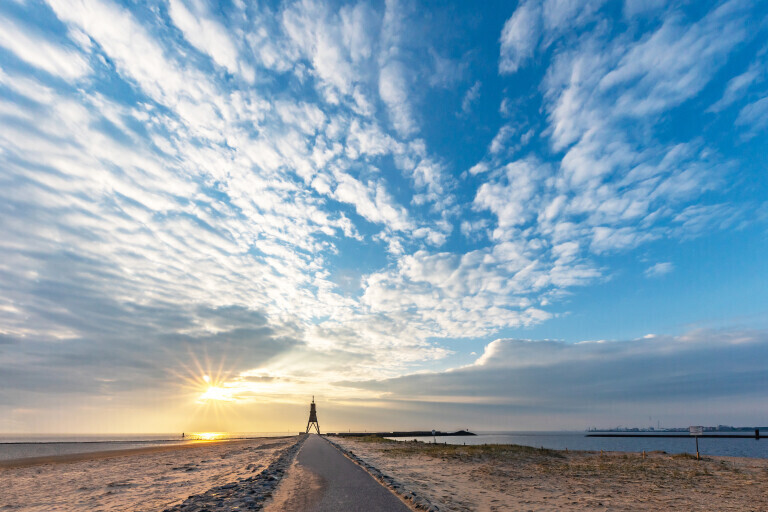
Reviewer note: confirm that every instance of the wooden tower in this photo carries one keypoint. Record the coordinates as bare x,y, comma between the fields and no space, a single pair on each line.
313,418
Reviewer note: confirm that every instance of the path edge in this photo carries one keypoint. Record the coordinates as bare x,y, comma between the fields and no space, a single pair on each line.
251,493
408,496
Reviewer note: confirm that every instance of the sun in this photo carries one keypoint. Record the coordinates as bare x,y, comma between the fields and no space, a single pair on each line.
209,384
217,393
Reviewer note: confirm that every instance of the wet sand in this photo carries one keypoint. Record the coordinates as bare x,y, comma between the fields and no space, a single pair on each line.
102,454
509,477
151,478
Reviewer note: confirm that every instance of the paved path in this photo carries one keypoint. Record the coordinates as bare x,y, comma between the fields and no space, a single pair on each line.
346,486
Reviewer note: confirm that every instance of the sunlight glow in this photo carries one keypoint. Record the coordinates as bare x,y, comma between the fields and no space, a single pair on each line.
207,436
217,393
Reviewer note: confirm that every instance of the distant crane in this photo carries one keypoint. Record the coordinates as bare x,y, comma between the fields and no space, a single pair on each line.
313,417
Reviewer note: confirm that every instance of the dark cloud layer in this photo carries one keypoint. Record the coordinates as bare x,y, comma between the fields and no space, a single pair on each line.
529,377
128,355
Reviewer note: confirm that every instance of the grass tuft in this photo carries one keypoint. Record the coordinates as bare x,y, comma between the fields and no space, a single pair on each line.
688,456
373,439
470,452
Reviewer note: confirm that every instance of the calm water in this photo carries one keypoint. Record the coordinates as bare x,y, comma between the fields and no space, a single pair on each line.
578,441
17,446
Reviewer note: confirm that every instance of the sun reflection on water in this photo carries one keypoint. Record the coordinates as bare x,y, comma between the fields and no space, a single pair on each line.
207,436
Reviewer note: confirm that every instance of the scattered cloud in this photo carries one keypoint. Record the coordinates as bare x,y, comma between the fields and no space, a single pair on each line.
35,50
659,269
472,94
519,37
207,35
281,186
754,116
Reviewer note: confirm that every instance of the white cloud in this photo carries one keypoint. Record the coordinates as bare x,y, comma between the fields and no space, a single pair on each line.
394,91
470,97
318,34
207,35
739,85
545,21
659,269
561,14
479,168
754,115
164,80
357,22
641,7
511,199
372,202
519,37
33,49
676,61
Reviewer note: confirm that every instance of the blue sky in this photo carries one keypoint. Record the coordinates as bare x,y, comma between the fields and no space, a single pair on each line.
378,202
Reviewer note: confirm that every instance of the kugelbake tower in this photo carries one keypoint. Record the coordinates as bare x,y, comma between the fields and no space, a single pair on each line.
313,418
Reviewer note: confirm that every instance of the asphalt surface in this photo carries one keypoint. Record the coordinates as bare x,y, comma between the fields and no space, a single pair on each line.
346,486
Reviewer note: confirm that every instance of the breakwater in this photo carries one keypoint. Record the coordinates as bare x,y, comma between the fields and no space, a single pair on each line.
409,433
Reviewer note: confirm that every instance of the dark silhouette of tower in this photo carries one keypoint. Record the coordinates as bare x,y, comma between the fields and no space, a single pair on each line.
313,418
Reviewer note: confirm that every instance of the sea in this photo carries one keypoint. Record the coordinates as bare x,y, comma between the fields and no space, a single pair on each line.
18,446
22,446
743,447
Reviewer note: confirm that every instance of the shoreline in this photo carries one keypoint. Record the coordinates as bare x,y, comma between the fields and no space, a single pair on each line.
24,462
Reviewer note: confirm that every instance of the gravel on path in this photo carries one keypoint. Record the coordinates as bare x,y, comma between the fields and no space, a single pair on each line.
245,494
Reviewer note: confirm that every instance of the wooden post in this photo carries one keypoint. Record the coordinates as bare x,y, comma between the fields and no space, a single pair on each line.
696,431
643,454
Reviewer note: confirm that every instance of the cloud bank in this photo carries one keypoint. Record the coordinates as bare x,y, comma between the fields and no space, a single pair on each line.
561,385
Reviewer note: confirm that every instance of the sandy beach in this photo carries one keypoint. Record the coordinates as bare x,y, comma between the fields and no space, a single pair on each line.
510,477
148,479
448,478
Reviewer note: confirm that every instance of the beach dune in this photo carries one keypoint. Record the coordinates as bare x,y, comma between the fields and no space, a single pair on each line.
512,477
138,479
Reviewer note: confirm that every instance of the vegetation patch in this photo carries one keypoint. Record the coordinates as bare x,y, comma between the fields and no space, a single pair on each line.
373,439
471,452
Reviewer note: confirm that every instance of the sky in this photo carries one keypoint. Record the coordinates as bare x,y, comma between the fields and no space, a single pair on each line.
496,215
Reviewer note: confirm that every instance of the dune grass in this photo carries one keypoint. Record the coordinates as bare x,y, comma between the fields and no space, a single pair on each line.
461,452
372,439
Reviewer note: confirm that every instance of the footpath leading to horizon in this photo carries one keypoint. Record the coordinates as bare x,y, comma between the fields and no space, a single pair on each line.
322,479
